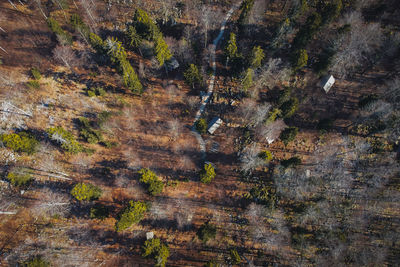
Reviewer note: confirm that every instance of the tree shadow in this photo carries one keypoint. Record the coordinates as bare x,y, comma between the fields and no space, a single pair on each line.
167,224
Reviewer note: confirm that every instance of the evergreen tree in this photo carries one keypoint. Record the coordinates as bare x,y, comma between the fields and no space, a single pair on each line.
207,174
154,185
97,43
257,56
231,50
245,9
161,49
247,80
157,250
288,135
132,214
133,38
87,192
300,59
144,25
130,78
192,75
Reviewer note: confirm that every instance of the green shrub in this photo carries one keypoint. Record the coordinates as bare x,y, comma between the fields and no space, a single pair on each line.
20,142
100,91
56,28
87,132
291,162
132,214
99,212
19,179
37,261
33,84
273,115
265,155
284,96
207,231
158,251
289,107
235,257
96,91
103,116
109,144
154,185
91,93
288,135
36,73
65,139
79,25
86,192
262,194
212,263
201,126
207,174
299,59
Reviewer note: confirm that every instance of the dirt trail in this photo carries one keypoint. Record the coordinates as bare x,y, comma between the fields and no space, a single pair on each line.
210,90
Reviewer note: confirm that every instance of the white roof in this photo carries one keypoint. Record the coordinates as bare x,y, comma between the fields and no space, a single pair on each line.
327,83
214,124
149,235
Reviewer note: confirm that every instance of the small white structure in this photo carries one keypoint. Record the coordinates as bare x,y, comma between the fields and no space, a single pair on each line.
149,235
214,125
270,140
327,83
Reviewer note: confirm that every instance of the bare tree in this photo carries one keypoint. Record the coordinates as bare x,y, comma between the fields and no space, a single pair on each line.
358,46
270,131
175,129
39,4
50,203
253,114
65,55
273,72
250,159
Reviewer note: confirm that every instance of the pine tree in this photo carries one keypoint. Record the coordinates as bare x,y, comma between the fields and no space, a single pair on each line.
97,43
231,50
192,75
245,9
161,49
130,78
144,25
247,81
207,174
300,59
132,214
133,38
257,56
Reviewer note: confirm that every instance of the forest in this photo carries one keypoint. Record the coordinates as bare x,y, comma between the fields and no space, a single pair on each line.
199,133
